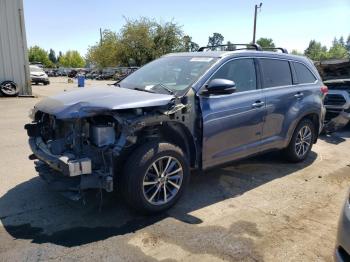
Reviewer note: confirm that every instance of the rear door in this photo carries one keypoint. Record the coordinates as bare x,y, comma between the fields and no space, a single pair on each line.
284,96
232,123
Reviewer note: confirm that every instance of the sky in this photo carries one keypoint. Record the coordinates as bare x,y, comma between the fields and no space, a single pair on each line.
74,25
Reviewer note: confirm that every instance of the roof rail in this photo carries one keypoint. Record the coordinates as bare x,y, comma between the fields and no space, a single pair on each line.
283,50
247,46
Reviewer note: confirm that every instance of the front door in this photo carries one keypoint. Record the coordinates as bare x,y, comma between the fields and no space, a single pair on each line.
232,123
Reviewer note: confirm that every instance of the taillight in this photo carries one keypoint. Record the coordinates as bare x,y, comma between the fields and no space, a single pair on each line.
324,90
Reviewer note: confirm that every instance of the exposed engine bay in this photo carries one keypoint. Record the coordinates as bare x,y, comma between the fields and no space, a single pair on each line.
85,149
336,75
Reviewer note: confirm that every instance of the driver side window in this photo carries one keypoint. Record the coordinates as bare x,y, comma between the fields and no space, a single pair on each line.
241,71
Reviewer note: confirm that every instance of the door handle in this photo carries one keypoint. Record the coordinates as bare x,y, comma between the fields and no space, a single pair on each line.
258,104
299,95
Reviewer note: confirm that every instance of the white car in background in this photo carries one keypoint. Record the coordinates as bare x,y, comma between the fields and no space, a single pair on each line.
37,75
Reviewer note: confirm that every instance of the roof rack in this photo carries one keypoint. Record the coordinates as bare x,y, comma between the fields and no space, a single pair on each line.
283,50
247,46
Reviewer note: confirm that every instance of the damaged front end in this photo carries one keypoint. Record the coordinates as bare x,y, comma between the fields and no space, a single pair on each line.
78,153
81,153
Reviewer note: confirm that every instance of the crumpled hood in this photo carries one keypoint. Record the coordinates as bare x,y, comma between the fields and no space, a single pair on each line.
90,101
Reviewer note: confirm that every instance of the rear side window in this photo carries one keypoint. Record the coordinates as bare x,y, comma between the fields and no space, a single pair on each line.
241,71
303,74
275,72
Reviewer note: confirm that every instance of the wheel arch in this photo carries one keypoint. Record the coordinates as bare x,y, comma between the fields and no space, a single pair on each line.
312,116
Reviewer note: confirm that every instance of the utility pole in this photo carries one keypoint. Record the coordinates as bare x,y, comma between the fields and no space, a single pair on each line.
100,36
255,15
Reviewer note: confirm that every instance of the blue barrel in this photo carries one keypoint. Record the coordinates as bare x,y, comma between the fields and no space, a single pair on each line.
81,81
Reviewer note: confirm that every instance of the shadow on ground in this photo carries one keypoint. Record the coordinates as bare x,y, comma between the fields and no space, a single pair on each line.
337,137
31,211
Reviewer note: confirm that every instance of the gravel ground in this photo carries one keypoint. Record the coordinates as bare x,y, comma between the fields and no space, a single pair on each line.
260,209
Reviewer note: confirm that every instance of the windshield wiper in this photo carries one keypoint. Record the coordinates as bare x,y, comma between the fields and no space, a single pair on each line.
165,88
141,89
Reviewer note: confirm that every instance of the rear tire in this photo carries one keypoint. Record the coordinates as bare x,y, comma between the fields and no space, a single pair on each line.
154,177
301,143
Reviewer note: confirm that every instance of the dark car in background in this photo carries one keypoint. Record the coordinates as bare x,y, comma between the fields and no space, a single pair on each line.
180,112
106,73
124,72
342,251
336,75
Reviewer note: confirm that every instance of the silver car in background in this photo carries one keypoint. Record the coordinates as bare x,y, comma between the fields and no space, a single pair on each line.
342,252
37,75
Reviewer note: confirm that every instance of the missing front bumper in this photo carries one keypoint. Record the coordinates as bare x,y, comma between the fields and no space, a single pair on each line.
68,176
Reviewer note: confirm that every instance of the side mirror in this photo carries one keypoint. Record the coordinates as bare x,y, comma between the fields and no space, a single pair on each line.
221,86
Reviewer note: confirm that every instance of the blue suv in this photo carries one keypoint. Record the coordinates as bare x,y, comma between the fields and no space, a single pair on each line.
180,112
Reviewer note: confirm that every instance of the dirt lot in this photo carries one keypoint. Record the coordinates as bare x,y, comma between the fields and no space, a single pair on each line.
261,209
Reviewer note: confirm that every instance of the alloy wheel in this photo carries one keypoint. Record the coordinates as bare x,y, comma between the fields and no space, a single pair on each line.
162,180
303,141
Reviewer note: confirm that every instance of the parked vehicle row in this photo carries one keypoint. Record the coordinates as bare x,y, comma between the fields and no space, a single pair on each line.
109,73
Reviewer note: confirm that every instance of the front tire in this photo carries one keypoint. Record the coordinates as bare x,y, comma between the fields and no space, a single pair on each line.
155,176
301,143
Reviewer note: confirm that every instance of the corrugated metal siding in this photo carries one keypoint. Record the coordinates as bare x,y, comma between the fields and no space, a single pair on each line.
13,45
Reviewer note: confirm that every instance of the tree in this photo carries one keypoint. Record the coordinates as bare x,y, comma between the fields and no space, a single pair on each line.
105,53
167,38
347,44
73,59
316,51
138,42
188,45
265,42
37,54
52,56
230,46
296,52
59,56
216,39
337,50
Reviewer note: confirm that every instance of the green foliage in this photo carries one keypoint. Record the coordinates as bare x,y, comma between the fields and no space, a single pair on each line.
73,59
52,56
337,51
216,39
316,51
296,52
105,54
265,42
188,45
230,46
37,54
138,42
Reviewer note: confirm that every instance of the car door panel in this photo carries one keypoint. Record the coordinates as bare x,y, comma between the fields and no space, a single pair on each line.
232,123
232,127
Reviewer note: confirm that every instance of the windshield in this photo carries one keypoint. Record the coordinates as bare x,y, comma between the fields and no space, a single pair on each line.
168,74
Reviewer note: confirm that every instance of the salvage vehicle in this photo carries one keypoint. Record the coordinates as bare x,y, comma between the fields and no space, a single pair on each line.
181,112
342,250
336,75
37,75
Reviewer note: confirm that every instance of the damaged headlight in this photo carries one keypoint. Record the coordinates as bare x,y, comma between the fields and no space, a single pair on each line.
103,135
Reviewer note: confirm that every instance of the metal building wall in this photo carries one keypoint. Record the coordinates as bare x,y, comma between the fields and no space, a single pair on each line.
13,45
